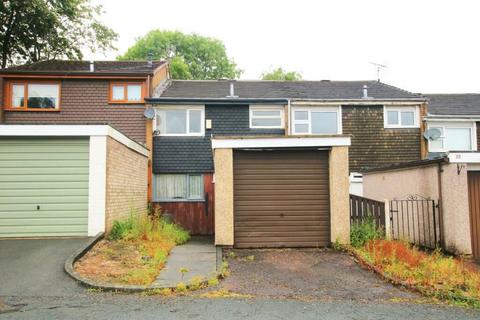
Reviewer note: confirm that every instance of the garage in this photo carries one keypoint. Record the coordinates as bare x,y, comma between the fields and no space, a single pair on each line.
68,180
43,186
281,199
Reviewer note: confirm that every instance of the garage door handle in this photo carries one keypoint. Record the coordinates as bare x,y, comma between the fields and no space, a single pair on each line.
38,207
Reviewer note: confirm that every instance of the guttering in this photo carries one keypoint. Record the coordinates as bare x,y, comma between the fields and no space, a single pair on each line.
404,101
214,100
454,117
405,165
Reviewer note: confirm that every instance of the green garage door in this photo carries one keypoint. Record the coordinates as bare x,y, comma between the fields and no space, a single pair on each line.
43,186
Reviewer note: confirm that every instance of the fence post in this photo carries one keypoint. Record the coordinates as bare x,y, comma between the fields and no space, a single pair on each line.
388,223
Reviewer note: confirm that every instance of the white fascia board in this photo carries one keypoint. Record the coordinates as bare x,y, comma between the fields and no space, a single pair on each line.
241,143
53,130
464,157
74,130
97,179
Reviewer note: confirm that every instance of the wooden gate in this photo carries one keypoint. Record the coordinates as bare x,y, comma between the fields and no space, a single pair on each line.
474,204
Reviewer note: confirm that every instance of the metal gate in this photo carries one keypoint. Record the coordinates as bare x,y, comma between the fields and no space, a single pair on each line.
416,221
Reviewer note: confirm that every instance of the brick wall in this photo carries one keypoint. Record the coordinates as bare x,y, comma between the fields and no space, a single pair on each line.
126,186
86,102
372,144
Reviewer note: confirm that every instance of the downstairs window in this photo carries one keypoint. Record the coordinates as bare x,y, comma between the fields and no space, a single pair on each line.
178,187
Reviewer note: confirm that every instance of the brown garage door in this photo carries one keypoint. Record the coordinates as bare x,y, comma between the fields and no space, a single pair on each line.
281,199
474,201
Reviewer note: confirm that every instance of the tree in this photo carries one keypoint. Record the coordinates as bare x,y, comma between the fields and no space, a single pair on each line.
192,56
280,74
35,30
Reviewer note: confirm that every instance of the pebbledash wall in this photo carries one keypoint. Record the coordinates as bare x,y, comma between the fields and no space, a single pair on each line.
422,180
126,183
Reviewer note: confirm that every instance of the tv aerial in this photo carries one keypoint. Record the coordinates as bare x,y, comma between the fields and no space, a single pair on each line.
379,68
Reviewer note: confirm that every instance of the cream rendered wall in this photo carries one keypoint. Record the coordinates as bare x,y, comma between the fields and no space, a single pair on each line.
423,181
339,195
223,162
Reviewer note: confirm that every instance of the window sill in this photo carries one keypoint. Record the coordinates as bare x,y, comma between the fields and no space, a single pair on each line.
179,200
32,110
401,127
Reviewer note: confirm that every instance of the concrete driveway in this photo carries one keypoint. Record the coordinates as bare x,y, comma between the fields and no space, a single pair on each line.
323,274
34,267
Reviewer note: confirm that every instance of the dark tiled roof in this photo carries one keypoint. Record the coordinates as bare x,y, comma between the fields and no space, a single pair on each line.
70,67
454,104
285,89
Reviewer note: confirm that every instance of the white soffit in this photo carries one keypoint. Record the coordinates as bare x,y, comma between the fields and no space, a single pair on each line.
280,142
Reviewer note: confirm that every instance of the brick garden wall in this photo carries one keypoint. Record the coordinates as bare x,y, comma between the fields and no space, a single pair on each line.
126,186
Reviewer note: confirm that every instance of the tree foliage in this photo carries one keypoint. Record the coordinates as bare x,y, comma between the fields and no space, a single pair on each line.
192,56
280,74
34,30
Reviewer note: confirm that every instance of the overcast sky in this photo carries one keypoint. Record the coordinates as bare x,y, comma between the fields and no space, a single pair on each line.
428,46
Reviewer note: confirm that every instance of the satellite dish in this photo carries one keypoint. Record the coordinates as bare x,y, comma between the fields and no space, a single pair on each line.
149,113
432,134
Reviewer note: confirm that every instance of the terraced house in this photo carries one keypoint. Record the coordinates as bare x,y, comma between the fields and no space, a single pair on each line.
72,145
257,163
272,159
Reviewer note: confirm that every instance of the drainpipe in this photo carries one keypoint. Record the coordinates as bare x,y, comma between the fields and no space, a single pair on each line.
289,118
440,206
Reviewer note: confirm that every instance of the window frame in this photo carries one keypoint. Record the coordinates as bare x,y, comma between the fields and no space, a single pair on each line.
125,85
187,188
414,109
26,83
253,108
309,110
157,131
454,125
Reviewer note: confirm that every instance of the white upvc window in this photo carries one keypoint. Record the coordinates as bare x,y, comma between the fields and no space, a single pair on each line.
401,117
178,187
180,121
317,120
266,117
454,136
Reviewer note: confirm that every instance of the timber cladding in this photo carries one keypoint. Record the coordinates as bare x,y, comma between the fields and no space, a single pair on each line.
281,199
86,102
474,205
372,144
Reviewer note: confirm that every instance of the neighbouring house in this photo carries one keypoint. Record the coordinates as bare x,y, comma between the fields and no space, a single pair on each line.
450,175
73,153
247,160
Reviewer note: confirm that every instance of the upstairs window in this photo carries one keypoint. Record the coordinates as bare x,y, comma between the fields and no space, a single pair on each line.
453,137
127,92
36,96
178,187
266,117
317,120
401,117
180,121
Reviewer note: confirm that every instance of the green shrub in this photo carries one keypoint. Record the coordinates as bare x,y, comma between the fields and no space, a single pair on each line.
121,228
365,231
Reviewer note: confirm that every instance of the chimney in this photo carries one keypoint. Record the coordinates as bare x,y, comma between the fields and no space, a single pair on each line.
365,92
232,91
92,66
149,60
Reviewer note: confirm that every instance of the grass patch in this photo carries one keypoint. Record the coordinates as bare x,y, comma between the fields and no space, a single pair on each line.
445,278
134,252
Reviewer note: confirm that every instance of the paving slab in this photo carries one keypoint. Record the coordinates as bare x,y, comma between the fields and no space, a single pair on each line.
198,256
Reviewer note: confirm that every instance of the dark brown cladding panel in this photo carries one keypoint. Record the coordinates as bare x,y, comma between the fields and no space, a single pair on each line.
372,144
86,102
